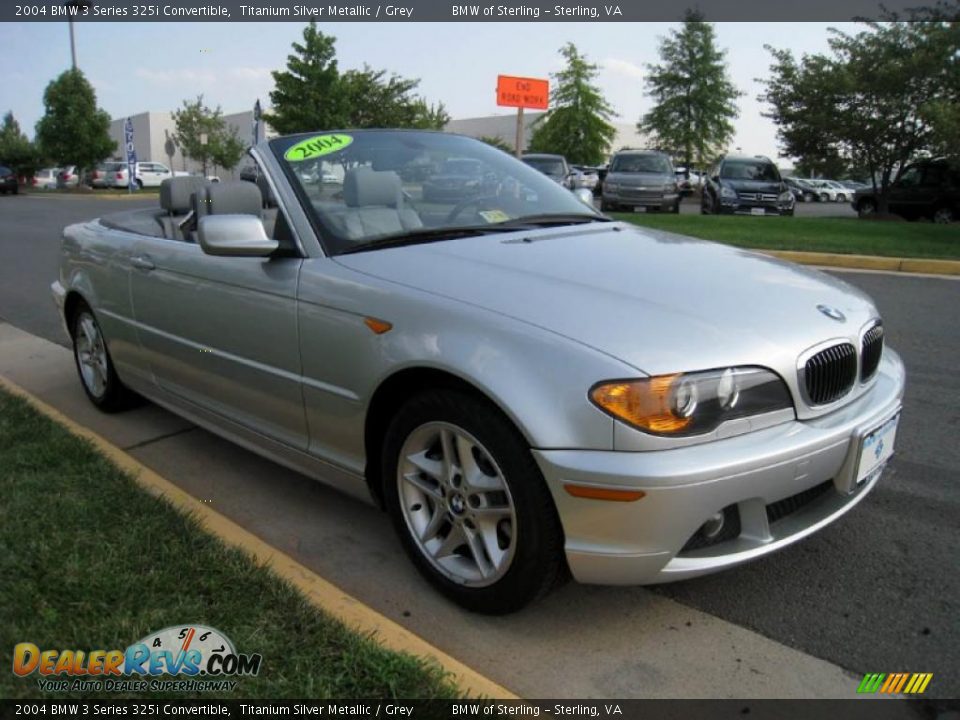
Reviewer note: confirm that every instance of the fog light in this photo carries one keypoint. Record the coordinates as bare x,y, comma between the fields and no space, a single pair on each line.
713,527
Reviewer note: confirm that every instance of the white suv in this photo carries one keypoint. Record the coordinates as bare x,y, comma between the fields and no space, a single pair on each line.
148,174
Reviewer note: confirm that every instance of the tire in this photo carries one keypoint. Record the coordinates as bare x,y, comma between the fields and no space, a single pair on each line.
824,197
675,210
841,198
944,215
16,190
518,557
94,366
866,208
808,197
139,184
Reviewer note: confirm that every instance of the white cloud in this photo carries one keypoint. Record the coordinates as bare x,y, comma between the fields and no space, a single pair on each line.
178,76
623,67
251,73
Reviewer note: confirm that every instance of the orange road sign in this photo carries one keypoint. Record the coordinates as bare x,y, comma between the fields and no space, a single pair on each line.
523,92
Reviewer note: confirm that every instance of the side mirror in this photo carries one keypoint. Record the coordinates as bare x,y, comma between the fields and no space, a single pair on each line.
234,236
584,196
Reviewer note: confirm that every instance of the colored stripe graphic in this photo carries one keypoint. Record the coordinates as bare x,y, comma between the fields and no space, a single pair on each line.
894,683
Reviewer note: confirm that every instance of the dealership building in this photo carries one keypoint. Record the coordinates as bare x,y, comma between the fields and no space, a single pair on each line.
153,136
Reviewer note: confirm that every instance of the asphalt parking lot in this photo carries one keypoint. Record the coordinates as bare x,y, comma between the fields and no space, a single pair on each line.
876,592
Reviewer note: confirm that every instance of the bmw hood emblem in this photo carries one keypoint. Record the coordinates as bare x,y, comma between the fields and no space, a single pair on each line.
832,313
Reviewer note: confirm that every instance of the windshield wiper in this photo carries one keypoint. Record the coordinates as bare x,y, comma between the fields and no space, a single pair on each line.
426,235
550,219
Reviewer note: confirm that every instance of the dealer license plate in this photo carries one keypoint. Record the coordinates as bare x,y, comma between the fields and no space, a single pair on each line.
875,449
757,211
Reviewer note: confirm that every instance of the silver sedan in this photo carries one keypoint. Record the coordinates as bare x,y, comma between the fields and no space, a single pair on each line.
528,388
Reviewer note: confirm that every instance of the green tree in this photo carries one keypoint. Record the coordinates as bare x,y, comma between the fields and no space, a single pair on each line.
203,135
695,103
577,125
73,130
307,95
374,99
882,97
312,93
16,150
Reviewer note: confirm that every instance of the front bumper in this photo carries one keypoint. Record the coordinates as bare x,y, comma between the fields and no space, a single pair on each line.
59,299
654,201
641,542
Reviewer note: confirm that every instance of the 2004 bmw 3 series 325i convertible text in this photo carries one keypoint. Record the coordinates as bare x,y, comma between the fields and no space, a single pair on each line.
527,387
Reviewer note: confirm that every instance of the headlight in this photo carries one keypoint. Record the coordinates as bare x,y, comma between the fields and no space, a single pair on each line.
691,403
727,193
785,196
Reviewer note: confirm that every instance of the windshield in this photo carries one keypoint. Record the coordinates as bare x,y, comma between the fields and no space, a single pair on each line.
758,171
367,186
548,166
642,164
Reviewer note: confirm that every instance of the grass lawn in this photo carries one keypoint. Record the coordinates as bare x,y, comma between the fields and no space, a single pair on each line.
833,235
90,562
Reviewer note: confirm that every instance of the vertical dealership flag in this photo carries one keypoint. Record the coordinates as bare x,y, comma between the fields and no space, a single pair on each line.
256,121
131,154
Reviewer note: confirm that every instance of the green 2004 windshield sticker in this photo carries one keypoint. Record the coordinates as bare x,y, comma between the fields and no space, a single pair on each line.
317,146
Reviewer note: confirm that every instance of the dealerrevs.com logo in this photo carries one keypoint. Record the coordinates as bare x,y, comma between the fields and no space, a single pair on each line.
202,657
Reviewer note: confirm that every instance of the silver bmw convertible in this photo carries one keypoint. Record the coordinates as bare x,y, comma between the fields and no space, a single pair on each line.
528,388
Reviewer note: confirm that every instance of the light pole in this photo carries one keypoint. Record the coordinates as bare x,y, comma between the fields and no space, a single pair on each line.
75,7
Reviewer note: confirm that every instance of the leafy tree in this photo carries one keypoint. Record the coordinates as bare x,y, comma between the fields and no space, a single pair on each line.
695,102
372,99
881,98
16,150
578,123
307,95
73,130
312,93
195,122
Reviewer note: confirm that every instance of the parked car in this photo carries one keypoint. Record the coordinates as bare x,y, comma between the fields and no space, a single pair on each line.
146,174
926,189
68,177
828,190
802,191
8,181
689,181
527,387
457,179
554,167
45,179
588,177
101,174
641,180
747,186
853,184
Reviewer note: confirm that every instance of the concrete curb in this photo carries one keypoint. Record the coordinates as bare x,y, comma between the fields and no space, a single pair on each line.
321,593
868,262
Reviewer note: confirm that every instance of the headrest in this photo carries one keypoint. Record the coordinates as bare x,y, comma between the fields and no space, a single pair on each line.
233,198
175,193
363,186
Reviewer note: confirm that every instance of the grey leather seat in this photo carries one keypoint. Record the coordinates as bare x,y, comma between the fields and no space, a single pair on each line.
224,198
374,201
175,201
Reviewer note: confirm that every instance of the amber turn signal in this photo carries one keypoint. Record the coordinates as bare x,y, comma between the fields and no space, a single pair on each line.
647,404
378,326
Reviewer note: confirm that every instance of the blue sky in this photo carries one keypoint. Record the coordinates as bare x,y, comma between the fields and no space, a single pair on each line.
137,67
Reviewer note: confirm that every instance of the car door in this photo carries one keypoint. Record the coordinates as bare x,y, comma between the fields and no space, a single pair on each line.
904,192
160,173
221,333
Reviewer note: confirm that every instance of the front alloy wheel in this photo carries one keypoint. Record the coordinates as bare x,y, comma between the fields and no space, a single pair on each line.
943,215
469,503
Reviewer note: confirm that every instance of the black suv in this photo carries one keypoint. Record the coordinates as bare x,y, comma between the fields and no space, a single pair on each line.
746,186
8,180
926,189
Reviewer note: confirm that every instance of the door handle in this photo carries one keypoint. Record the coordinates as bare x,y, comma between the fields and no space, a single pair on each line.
142,262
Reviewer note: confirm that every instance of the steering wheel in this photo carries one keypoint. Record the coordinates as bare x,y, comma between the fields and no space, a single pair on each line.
477,200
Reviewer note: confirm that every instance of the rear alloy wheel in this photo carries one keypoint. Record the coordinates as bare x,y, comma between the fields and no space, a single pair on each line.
469,503
808,197
841,197
824,197
943,216
99,379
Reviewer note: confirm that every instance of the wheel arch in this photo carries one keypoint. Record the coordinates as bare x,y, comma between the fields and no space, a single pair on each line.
389,397
71,304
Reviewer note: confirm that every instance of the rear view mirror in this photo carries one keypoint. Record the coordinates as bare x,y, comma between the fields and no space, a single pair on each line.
234,236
